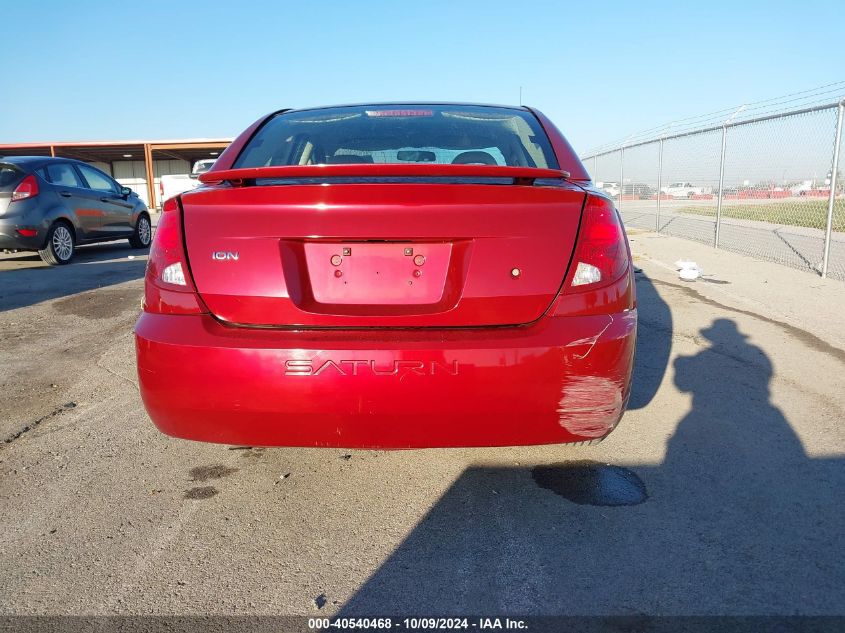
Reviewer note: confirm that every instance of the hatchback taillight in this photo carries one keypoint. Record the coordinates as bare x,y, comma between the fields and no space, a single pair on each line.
28,188
168,287
601,252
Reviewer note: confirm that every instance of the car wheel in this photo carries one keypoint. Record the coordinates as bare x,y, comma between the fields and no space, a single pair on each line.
59,247
143,234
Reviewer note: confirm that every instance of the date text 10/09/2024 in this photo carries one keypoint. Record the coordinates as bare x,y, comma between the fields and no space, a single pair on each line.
417,624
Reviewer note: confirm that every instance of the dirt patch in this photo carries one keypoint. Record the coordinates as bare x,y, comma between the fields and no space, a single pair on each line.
250,453
98,304
205,473
201,492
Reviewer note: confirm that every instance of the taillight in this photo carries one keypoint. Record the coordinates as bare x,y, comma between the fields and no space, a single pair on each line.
168,285
28,188
599,279
601,252
167,264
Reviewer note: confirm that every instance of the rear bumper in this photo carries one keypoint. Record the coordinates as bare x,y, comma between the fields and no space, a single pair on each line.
563,379
10,238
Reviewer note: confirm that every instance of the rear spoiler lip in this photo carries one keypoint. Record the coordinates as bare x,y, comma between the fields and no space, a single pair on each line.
521,175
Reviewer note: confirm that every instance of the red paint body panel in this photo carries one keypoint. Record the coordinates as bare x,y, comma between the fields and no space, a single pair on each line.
387,315
564,379
479,233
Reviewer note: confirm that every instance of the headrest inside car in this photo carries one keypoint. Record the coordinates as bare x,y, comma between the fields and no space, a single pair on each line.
474,158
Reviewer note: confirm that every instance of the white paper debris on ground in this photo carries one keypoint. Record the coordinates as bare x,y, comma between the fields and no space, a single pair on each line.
687,270
689,274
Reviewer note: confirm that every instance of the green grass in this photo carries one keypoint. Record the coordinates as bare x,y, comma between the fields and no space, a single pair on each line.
809,213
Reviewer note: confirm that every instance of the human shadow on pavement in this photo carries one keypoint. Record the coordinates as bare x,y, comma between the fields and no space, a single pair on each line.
736,520
92,267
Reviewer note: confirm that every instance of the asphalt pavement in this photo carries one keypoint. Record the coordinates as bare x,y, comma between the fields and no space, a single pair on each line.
720,492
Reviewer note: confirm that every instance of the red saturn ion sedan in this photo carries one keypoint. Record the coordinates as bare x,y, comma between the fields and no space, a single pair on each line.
390,276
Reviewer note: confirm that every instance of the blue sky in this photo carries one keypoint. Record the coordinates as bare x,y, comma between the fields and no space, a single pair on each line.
101,71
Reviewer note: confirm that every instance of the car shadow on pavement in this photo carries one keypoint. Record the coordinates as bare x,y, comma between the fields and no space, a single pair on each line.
25,280
736,520
654,343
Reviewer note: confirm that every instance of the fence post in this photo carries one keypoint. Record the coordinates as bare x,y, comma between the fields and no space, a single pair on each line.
832,198
659,183
621,175
721,187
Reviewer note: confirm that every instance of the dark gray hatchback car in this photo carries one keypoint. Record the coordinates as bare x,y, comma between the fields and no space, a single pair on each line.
50,205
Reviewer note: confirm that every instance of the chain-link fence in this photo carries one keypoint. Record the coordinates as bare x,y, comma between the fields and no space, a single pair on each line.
771,187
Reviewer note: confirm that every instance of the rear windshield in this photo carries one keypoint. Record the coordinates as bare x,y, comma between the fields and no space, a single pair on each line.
9,175
461,135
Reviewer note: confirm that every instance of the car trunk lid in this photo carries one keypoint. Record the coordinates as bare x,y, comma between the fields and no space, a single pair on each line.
359,253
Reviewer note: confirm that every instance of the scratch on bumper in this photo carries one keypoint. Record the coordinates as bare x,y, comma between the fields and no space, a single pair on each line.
592,404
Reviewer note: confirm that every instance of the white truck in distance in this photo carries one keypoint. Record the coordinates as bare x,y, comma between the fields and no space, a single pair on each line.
682,190
173,185
802,188
610,188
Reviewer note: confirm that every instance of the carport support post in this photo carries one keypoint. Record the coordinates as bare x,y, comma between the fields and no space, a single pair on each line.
832,198
721,186
148,169
659,183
